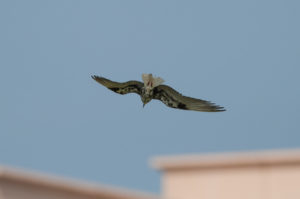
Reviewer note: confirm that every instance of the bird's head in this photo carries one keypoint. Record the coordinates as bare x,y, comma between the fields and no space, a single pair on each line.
145,99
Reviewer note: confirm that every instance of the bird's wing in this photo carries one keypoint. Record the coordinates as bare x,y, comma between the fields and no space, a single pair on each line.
173,99
121,88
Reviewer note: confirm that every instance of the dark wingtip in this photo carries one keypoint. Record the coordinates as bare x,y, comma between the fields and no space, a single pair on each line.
95,77
216,108
220,109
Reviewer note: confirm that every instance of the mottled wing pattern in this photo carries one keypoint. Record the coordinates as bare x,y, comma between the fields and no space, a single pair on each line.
121,88
173,99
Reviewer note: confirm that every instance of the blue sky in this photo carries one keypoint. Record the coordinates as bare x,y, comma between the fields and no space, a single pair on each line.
243,55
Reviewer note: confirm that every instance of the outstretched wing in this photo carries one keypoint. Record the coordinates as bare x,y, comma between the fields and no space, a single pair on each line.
173,99
121,88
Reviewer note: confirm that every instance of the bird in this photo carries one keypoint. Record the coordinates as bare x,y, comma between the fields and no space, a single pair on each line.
152,88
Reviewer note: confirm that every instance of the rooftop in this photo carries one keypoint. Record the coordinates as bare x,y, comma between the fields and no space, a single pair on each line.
235,159
18,176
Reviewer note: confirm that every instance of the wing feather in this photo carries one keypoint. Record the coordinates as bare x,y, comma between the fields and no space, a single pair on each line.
118,87
174,99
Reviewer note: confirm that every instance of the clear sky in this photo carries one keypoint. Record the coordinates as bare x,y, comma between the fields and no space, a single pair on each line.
243,55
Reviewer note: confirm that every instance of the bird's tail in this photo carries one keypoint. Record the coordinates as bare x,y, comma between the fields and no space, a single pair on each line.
150,81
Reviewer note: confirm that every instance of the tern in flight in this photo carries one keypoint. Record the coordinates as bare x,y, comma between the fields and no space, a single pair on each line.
152,88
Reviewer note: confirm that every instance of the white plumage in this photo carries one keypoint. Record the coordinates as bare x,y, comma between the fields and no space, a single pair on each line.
150,82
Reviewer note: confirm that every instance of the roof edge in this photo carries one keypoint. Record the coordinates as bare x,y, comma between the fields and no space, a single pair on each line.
227,159
67,184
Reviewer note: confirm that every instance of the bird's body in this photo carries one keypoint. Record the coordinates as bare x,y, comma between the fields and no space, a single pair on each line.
152,88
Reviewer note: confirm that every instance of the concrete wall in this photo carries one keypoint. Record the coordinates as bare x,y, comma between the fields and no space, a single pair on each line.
233,183
18,184
255,175
271,175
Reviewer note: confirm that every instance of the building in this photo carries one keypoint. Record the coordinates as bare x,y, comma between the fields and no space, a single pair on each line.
259,175
254,175
17,184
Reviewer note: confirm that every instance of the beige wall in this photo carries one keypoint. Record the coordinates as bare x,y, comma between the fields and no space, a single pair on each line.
255,175
13,190
233,183
18,184
238,176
